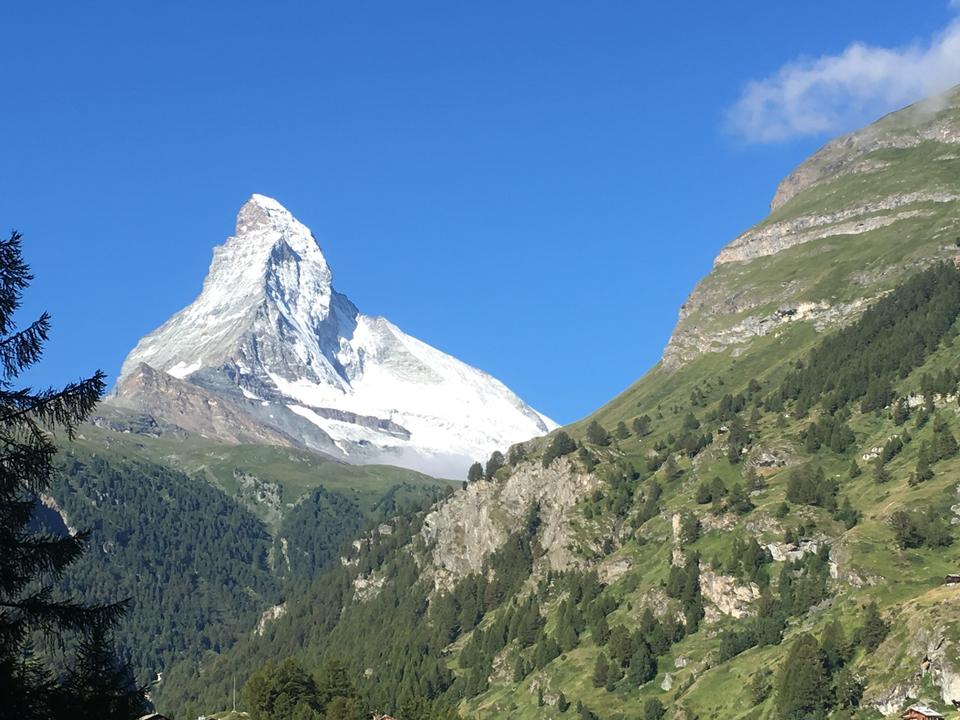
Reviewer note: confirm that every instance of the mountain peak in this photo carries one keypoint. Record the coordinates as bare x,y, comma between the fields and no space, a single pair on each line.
261,212
264,222
269,334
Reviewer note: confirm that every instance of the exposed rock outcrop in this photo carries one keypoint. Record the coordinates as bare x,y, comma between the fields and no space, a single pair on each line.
367,587
784,552
727,596
921,650
271,614
768,239
263,496
192,408
49,502
466,528
690,341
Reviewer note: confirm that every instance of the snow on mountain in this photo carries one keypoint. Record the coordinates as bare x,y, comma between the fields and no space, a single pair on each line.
270,335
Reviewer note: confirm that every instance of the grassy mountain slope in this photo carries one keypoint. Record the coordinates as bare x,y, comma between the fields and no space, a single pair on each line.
866,564
268,479
848,225
790,468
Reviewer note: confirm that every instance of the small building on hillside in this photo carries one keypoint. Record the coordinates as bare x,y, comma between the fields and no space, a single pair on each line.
921,712
952,579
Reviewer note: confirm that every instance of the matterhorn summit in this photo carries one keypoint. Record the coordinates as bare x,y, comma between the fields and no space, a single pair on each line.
271,352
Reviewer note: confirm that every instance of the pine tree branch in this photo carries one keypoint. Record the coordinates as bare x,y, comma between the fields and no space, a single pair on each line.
62,408
26,466
14,277
37,555
38,613
23,348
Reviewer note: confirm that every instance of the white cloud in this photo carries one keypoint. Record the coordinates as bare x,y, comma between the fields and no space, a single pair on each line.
835,93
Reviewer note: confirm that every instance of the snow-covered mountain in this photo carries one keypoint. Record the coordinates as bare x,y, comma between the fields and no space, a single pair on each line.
269,349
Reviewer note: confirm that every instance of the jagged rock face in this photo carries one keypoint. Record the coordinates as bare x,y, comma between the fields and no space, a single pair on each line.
824,253
271,337
727,596
466,528
192,408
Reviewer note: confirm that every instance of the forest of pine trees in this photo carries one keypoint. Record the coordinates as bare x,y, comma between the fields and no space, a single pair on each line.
893,337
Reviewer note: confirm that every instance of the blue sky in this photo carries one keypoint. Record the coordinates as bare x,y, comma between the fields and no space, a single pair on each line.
533,187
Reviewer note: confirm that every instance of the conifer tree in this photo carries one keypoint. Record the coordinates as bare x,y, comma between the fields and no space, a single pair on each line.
641,425
547,649
671,471
880,473
945,444
620,645
901,413
874,629
475,472
600,671
560,444
334,683
653,709
106,684
643,665
495,462
516,455
690,422
601,631
30,562
834,646
854,471
923,471
761,686
738,501
596,434
279,690
848,689
752,479
703,494
802,683
718,489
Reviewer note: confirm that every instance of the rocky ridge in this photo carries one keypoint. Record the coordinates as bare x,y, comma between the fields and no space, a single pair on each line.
846,206
906,128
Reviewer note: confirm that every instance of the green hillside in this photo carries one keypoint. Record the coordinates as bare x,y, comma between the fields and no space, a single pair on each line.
243,471
759,528
203,538
620,527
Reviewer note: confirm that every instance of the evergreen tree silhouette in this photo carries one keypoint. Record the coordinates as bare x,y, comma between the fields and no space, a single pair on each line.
94,683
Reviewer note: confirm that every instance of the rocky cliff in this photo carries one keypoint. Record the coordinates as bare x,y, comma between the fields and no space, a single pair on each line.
465,530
